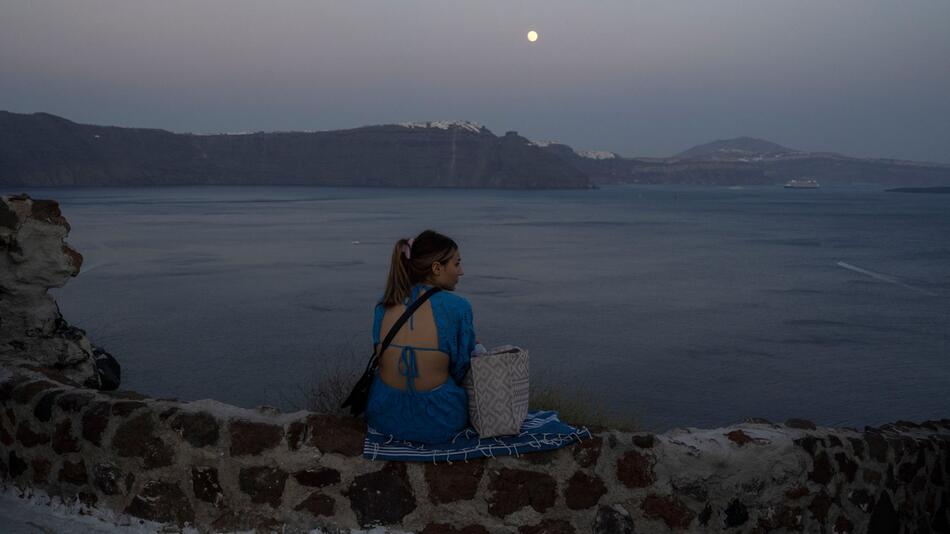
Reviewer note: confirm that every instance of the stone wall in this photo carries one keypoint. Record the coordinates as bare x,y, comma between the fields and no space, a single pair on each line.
222,468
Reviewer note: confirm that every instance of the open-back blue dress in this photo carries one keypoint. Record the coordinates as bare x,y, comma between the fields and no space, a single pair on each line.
437,415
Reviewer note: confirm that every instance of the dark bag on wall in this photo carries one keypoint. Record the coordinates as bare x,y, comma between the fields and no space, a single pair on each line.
107,368
359,396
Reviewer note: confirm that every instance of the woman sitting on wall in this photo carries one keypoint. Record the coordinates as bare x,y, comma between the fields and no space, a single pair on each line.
417,394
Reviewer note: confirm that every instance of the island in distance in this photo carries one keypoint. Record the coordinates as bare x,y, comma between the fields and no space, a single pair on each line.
41,149
932,190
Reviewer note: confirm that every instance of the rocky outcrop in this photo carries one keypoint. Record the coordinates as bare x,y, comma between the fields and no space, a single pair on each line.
44,150
34,258
221,468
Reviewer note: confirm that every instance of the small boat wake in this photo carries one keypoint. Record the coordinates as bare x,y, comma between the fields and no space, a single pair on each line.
885,278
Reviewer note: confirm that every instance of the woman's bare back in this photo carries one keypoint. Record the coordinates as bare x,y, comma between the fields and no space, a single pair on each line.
433,365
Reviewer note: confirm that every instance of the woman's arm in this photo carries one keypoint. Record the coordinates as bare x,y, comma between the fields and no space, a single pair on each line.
465,343
377,324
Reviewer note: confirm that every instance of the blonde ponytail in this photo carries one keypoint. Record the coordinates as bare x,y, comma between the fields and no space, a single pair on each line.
398,284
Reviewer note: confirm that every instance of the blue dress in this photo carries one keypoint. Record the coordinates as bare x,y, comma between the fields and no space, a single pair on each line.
437,415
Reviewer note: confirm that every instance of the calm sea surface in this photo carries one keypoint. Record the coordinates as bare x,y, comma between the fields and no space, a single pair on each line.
684,306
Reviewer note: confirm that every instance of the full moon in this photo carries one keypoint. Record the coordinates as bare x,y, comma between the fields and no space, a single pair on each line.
532,36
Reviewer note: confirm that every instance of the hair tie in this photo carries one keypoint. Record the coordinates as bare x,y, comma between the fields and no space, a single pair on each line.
407,249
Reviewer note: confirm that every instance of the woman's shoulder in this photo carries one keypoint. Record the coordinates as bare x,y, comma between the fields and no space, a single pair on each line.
448,299
453,300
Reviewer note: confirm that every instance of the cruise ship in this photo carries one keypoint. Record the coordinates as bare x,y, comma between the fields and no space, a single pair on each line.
804,183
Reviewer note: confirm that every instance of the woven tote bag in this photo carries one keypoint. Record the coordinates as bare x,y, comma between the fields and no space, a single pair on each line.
497,387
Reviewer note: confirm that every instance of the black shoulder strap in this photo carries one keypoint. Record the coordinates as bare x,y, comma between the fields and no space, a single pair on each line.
399,322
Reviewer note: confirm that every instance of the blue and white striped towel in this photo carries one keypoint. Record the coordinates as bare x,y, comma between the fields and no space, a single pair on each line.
542,430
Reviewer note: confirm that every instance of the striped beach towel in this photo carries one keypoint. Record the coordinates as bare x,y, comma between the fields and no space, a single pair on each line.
542,430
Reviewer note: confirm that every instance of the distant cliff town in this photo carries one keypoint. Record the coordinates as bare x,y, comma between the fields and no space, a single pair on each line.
749,161
40,149
44,150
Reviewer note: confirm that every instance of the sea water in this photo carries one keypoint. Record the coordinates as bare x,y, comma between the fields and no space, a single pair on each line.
676,305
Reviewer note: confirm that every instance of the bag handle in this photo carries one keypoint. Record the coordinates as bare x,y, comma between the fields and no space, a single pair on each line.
374,359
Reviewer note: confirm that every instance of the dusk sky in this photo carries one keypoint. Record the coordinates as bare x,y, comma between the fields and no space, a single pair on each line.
641,78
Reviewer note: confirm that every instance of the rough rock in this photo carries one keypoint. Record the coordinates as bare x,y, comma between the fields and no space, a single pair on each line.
846,466
15,465
382,497
199,429
124,408
135,438
317,477
453,482
884,518
858,446
73,473
583,491
95,421
162,501
263,484
796,493
295,434
249,438
823,470
205,484
644,441
63,440
613,520
820,506
24,393
811,444
587,452
671,510
317,504
542,457
548,526
33,259
28,438
445,528
41,467
513,489
635,470
335,434
739,437
843,525
43,411
803,424
787,517
106,478
877,446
